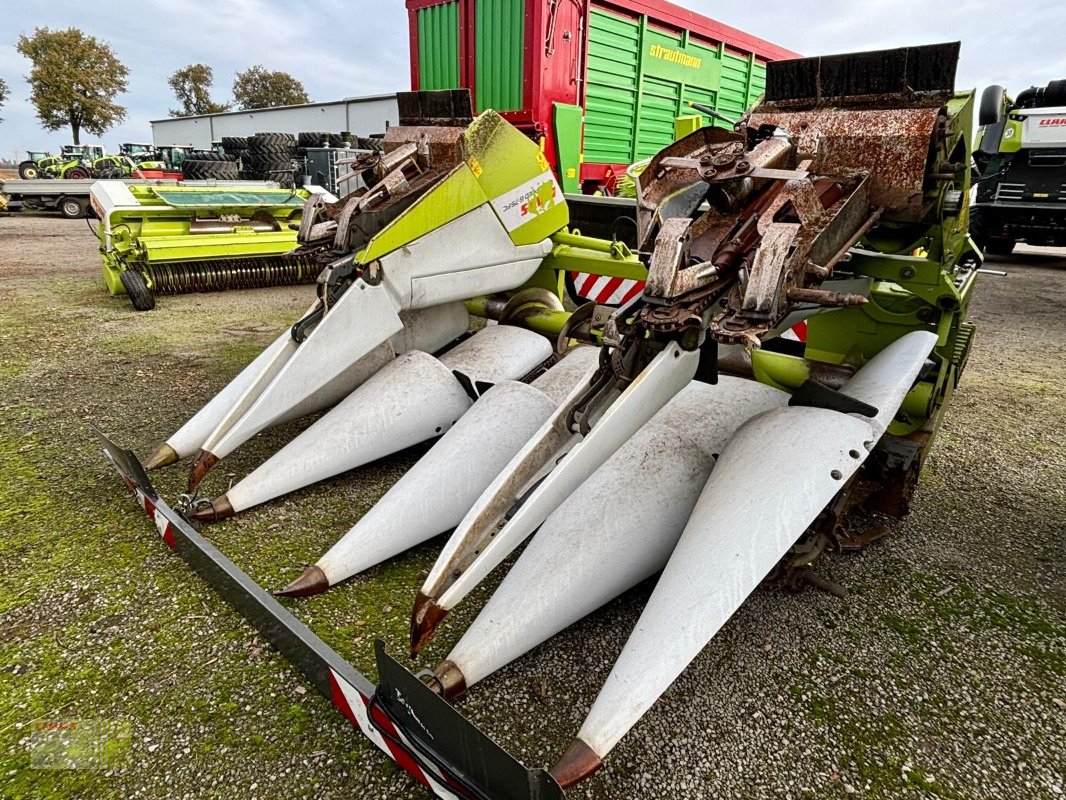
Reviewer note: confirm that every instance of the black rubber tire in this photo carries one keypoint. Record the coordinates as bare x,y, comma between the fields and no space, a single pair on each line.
208,155
311,139
110,174
999,247
283,177
276,139
196,170
991,109
137,289
28,171
1055,93
271,151
267,164
72,207
234,142
78,174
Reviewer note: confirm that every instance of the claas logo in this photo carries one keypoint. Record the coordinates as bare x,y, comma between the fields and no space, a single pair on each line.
1053,121
540,200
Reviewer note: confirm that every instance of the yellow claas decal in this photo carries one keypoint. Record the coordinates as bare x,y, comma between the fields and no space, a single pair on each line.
541,201
676,56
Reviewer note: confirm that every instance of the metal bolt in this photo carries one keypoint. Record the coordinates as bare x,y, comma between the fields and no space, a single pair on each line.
906,272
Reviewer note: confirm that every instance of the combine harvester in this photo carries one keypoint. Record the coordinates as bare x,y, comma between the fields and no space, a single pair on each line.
682,434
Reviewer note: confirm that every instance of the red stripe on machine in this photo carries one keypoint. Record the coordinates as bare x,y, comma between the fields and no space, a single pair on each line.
605,290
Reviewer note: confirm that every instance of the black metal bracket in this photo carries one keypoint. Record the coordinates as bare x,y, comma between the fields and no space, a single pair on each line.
817,395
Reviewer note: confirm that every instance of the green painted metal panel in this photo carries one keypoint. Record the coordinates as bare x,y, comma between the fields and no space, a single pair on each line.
438,46
499,46
567,123
640,78
611,95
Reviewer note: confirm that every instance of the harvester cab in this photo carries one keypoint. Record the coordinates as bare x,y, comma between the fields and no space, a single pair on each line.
694,437
1021,154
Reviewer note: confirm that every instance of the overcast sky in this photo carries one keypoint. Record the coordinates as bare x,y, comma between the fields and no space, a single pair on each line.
343,49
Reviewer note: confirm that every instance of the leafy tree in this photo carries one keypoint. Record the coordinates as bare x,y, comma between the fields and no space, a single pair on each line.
192,87
3,93
258,87
74,81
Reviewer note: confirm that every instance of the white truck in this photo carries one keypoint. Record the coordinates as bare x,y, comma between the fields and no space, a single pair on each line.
71,197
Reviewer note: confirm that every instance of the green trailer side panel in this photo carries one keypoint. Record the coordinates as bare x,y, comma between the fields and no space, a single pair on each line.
499,44
611,92
640,78
438,46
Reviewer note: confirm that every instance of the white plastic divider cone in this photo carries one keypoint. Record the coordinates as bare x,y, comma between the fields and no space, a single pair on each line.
617,529
410,400
439,489
480,543
426,329
469,255
741,527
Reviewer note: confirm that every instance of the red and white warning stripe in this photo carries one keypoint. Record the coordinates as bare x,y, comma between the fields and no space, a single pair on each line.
355,707
604,290
797,333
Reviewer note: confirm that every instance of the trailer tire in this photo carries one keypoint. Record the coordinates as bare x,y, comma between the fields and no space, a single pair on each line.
28,171
137,289
72,207
991,109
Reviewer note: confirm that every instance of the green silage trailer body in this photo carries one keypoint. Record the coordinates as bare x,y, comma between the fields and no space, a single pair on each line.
598,82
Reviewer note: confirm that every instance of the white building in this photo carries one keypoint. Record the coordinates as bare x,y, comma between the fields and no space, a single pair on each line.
362,116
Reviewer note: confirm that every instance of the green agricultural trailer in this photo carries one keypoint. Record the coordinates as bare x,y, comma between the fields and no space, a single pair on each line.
599,83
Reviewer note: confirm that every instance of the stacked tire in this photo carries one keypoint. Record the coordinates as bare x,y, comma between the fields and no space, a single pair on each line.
203,165
374,143
310,139
236,146
269,157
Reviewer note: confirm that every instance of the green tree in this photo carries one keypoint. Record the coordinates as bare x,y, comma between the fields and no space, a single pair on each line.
192,88
258,87
3,94
74,81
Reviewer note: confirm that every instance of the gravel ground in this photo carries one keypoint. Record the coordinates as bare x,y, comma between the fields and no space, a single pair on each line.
941,674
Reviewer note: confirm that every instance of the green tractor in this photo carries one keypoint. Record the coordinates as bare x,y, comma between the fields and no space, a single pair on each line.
131,158
173,154
74,162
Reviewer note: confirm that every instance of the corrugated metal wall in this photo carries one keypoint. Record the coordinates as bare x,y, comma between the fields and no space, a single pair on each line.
360,115
438,46
637,85
499,45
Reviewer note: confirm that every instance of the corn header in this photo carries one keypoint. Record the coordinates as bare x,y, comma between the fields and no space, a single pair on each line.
797,341
172,239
